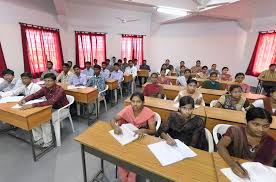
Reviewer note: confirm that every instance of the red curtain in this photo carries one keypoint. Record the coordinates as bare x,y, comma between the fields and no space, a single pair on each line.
264,53
132,47
3,65
40,44
90,46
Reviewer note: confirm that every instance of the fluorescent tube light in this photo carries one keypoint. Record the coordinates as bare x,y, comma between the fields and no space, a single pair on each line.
173,11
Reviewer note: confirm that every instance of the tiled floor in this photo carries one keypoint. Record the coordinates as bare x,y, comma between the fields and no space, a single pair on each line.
63,164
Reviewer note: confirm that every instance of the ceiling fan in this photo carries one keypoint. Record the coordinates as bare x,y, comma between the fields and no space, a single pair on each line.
124,20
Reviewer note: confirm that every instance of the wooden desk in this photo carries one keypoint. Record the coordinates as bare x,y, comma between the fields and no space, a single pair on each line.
113,86
173,79
219,164
143,73
127,78
27,120
224,116
137,157
164,107
173,73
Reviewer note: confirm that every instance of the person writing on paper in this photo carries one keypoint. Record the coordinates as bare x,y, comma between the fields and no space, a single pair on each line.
234,100
250,142
184,126
153,89
56,97
269,103
11,85
162,79
141,117
78,78
191,90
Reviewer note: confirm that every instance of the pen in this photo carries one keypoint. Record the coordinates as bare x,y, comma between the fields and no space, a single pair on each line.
243,169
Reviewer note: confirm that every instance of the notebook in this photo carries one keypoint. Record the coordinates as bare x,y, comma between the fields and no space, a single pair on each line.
17,106
163,152
127,135
257,173
11,99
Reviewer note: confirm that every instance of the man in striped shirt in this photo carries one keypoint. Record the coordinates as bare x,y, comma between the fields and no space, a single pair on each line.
268,78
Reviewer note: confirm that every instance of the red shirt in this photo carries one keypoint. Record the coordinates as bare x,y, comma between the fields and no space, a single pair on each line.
55,96
152,90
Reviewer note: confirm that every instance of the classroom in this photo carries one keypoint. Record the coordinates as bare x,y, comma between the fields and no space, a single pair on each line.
137,90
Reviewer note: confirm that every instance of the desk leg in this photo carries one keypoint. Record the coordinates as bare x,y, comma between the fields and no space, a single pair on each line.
32,144
116,95
83,164
97,108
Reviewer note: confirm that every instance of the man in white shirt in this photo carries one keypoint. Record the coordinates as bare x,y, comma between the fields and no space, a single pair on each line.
49,69
64,76
105,73
11,85
131,69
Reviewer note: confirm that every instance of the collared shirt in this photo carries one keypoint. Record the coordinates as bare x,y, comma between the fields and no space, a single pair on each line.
88,72
55,96
10,88
145,67
117,75
77,80
109,67
105,74
31,89
196,69
181,80
131,70
267,74
64,78
49,71
97,81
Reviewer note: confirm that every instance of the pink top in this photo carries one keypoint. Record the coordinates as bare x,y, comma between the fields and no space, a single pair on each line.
145,117
164,80
225,77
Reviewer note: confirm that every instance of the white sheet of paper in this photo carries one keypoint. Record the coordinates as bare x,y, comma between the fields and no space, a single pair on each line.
17,106
75,87
11,99
257,172
127,135
163,152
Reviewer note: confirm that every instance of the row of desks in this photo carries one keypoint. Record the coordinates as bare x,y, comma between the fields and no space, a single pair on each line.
171,91
137,157
213,115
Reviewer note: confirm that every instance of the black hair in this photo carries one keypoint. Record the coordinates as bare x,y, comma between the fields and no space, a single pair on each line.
66,65
198,61
113,57
69,62
257,112
214,64
273,64
50,62
186,100
204,67
273,89
119,61
104,63
26,74
106,60
76,66
182,66
95,60
8,72
88,62
50,75
187,70
182,62
154,74
213,73
239,74
144,60
232,87
163,69
130,61
125,58
138,94
170,67
97,67
224,68
116,64
191,80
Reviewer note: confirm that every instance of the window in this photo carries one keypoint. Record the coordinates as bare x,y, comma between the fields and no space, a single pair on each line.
264,53
40,44
90,46
132,47
2,61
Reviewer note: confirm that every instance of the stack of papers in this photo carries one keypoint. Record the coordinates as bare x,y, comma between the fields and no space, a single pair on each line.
11,99
257,173
127,135
167,154
75,87
17,106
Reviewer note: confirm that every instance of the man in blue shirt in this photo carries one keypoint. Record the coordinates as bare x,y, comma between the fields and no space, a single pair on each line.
117,74
78,78
97,80
88,71
105,73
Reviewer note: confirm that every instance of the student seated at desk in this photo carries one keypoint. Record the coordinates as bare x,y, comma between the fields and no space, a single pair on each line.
197,68
234,100
186,75
269,75
49,70
95,62
213,69
124,65
10,85
153,89
250,142
97,80
177,69
162,79
117,74
224,76
105,73
55,96
203,74
239,79
184,126
64,76
169,70
131,69
212,83
109,66
191,90
268,104
144,66
88,71
141,117
77,78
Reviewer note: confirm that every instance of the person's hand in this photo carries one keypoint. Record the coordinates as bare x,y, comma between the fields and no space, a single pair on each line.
27,106
239,171
22,102
118,130
170,141
140,134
